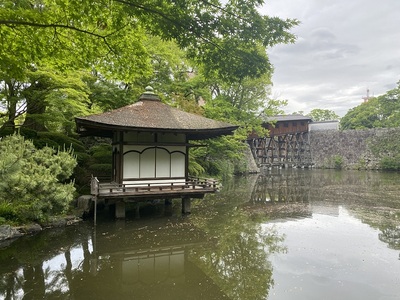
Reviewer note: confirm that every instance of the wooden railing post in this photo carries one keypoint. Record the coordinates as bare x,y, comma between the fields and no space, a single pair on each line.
94,186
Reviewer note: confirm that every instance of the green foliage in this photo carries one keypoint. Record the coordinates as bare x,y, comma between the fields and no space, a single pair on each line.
97,161
246,104
333,162
106,94
33,182
188,50
51,139
225,37
7,213
386,145
318,114
101,169
379,112
53,98
195,168
366,115
62,140
222,157
387,149
337,162
71,33
390,163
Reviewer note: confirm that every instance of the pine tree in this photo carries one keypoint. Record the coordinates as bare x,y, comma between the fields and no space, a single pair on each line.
34,183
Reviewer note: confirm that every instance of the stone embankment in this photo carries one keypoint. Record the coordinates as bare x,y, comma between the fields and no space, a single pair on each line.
8,232
81,208
351,149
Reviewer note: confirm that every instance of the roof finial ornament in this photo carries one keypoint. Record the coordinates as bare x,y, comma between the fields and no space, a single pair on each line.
149,94
149,89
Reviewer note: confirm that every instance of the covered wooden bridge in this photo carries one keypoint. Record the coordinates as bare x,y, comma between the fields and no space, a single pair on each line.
286,145
151,142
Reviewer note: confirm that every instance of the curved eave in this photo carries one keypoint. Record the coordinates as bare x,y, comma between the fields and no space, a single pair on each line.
91,128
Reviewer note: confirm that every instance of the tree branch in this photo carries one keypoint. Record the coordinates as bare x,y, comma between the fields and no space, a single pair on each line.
166,17
33,24
13,23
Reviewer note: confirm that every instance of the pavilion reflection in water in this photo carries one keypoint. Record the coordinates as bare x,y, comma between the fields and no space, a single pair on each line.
151,266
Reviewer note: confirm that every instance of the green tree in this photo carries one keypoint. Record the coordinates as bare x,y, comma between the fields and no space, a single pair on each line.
33,183
70,33
224,37
123,39
245,103
130,44
48,99
318,114
365,115
389,104
63,36
382,111
54,98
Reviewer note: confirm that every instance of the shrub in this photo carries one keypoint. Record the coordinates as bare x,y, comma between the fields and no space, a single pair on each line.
390,163
62,140
338,162
34,182
102,170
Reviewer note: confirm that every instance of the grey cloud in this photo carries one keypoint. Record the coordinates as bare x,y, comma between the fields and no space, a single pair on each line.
343,48
323,34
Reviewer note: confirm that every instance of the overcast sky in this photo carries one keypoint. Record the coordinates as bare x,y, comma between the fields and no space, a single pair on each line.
344,47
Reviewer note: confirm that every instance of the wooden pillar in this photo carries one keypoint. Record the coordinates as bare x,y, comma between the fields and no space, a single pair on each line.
94,199
137,210
168,207
120,210
186,205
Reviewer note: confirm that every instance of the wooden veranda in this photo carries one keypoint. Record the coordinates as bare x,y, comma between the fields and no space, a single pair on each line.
119,194
194,187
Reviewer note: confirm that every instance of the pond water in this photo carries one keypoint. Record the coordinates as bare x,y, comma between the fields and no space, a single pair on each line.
288,234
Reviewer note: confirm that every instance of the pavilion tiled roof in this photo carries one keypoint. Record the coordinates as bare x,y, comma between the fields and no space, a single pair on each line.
150,114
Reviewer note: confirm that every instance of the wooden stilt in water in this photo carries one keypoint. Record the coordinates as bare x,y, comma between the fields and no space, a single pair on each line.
186,205
120,210
137,210
168,207
95,210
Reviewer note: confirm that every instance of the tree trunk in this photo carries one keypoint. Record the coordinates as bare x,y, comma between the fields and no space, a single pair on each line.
11,101
35,107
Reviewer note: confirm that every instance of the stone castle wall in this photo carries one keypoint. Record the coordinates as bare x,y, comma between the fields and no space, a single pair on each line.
350,149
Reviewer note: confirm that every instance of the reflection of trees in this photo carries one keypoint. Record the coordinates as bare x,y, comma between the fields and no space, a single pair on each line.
237,261
24,275
372,197
385,219
33,284
10,284
391,236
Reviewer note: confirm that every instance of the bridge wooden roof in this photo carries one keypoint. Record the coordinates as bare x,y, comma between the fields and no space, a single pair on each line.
288,118
150,114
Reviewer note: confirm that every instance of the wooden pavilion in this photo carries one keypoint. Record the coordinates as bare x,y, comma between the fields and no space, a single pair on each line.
150,142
